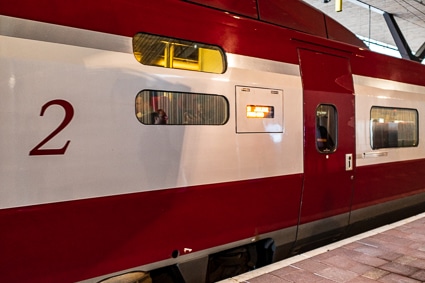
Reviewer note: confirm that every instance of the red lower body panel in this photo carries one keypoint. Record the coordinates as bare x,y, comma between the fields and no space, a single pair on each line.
76,240
384,182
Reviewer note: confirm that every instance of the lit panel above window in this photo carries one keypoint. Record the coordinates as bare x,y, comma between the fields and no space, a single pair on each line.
154,50
259,110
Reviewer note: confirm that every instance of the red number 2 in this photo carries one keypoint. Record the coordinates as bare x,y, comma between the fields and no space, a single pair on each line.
69,113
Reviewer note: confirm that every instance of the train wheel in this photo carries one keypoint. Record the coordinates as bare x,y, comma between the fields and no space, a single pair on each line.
240,260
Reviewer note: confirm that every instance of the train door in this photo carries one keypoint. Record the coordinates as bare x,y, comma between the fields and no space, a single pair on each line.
329,145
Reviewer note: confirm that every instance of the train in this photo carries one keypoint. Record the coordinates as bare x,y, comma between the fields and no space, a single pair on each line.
193,140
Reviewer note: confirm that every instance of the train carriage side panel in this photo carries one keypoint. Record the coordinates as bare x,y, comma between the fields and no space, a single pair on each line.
390,176
123,194
87,189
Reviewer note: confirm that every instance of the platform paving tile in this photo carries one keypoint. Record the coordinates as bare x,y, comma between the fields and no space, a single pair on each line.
362,279
357,244
390,256
375,274
337,274
417,254
373,242
398,268
346,251
412,261
380,242
282,272
395,278
372,251
420,275
370,260
419,263
310,265
393,241
348,263
398,233
304,276
414,236
269,278
418,245
415,232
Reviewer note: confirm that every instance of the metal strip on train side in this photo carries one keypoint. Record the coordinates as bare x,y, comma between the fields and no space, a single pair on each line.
33,30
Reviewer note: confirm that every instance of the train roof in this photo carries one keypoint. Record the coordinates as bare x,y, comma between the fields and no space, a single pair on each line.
294,14
249,28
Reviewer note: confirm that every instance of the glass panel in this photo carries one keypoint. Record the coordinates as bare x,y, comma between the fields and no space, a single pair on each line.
393,127
259,111
173,53
180,108
326,128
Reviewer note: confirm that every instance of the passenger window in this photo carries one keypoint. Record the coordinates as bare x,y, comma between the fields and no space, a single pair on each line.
326,128
393,127
154,50
181,108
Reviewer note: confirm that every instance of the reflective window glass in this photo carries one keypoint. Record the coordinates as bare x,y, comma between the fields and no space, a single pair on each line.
181,108
393,127
154,50
326,128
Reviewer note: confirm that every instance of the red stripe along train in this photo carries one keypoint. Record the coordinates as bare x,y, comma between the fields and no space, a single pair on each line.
189,141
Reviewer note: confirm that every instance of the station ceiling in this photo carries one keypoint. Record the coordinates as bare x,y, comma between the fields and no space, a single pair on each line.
365,18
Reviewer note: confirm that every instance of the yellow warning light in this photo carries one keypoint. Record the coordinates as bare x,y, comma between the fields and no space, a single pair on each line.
338,5
259,111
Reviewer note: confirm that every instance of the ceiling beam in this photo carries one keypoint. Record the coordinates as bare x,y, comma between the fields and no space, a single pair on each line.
400,41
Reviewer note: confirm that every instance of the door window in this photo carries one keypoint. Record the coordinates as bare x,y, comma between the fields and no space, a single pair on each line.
326,128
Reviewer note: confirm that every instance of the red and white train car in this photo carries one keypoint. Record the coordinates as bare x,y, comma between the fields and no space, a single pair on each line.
192,140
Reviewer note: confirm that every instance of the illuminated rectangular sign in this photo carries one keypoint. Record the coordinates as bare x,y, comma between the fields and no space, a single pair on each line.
259,111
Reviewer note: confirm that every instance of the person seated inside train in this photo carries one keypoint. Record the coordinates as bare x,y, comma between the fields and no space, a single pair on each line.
195,116
143,110
323,140
159,117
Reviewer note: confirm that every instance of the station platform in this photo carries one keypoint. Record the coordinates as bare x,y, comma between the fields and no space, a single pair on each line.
391,253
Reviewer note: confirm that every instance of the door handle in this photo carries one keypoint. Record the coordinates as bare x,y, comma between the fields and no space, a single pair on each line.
348,162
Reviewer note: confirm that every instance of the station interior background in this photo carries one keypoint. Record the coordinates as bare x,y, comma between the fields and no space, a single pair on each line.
366,19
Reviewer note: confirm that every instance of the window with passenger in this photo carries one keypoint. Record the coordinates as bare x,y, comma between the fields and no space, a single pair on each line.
393,127
180,108
326,128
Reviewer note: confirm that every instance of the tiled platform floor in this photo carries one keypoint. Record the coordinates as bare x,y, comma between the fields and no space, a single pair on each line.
392,253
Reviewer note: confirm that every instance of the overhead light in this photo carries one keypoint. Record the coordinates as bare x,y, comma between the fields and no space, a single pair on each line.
338,5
